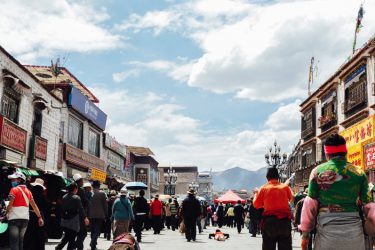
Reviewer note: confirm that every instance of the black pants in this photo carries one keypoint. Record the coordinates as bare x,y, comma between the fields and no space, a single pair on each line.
174,222
70,238
138,225
253,228
276,232
156,223
239,223
81,236
34,238
190,228
108,228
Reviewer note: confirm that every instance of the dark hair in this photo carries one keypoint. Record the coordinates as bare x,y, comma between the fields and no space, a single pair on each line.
96,184
239,202
142,193
272,173
170,200
72,186
335,140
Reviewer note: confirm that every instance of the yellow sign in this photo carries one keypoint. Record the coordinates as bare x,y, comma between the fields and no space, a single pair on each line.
360,132
355,137
355,155
99,175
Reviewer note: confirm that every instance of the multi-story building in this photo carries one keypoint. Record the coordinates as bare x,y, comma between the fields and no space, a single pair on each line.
145,167
345,103
114,156
205,185
30,117
187,176
81,126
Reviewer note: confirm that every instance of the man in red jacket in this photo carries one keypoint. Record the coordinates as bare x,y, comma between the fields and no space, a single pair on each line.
156,209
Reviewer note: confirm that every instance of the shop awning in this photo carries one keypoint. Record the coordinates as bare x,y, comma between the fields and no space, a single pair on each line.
28,172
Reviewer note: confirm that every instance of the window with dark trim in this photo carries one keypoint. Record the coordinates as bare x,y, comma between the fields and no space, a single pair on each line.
37,122
75,132
356,96
10,104
94,143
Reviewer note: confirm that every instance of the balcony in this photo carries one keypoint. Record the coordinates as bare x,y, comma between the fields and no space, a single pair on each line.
327,121
308,132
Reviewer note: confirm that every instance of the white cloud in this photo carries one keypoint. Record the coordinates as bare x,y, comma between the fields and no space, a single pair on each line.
175,138
122,76
41,28
176,71
261,51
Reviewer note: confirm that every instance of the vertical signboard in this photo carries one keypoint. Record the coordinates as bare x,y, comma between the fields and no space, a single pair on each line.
141,175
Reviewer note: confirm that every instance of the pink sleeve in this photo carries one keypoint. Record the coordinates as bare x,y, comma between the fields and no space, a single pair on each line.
308,214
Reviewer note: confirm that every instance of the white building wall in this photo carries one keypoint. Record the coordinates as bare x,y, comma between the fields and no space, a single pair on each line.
51,116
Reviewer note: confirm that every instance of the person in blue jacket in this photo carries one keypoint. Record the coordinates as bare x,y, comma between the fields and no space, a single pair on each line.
122,214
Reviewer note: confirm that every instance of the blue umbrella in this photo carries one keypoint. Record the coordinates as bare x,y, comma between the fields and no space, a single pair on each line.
136,185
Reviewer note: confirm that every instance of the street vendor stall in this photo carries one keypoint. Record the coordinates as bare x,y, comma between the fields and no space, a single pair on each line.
229,197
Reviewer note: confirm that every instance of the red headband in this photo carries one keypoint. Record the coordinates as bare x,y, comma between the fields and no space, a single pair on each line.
335,149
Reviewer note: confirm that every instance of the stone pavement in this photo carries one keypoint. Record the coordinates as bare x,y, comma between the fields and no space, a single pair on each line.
169,240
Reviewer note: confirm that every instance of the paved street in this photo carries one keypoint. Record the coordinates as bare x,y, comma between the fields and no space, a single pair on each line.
169,240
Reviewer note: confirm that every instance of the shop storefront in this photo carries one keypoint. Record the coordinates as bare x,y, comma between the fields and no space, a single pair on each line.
115,153
360,144
87,165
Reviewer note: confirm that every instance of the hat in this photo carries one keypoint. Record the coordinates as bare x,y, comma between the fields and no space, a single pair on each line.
86,184
191,191
123,190
77,177
113,193
17,175
38,182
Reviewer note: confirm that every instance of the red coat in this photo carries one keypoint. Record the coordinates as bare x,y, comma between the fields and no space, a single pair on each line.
156,207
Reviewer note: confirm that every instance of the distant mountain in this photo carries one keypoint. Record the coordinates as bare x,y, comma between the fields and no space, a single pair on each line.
239,178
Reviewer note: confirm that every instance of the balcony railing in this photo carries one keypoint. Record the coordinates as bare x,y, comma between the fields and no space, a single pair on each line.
307,132
327,120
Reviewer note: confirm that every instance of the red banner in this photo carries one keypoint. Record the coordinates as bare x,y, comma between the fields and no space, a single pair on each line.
41,148
12,136
370,156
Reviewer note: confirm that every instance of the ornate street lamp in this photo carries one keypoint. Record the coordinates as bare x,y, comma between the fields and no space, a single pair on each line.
194,186
170,178
276,160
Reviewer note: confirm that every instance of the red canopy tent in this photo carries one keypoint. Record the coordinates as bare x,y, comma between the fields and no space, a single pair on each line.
229,197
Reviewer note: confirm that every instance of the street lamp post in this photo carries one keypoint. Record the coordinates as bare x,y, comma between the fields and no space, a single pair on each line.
276,160
170,178
194,186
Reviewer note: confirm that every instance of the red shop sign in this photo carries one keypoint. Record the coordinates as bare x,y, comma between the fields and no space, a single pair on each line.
370,156
12,136
41,148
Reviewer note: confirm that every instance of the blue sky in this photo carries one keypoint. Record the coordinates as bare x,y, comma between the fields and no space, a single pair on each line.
210,83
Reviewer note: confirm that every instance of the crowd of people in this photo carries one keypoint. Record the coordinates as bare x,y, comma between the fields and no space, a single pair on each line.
330,213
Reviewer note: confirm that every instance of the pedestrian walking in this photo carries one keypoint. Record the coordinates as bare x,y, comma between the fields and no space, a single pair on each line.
191,210
339,188
220,215
209,216
254,219
274,197
156,211
239,212
108,224
168,214
141,210
230,215
97,213
173,206
71,213
35,236
122,213
17,210
82,234
87,188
